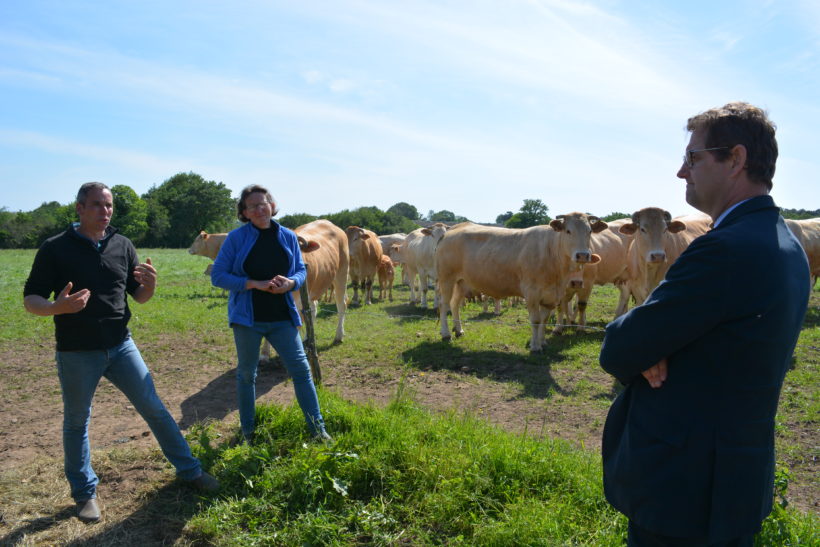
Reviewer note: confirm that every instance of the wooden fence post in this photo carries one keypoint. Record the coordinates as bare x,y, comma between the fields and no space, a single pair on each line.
310,334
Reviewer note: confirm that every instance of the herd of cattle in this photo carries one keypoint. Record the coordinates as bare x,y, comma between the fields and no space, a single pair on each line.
552,267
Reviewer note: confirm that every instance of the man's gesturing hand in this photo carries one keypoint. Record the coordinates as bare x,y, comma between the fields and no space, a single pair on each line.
71,303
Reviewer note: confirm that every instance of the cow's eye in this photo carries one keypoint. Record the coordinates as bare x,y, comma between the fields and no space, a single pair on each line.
569,232
643,230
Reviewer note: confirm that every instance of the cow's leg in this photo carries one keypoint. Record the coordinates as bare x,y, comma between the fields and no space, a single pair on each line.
367,289
355,284
390,281
423,288
623,298
341,306
446,295
264,355
411,282
456,303
536,324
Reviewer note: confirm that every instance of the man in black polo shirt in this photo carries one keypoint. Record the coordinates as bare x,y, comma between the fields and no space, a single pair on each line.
90,268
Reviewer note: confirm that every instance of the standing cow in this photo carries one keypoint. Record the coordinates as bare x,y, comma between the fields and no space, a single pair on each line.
419,255
387,274
533,262
206,244
807,232
365,254
325,253
658,241
612,246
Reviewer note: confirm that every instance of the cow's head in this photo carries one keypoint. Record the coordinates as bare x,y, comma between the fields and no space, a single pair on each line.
576,229
436,231
650,227
307,246
354,233
394,252
199,243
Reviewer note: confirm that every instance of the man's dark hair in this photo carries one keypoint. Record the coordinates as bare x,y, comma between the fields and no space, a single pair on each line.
87,187
252,189
740,123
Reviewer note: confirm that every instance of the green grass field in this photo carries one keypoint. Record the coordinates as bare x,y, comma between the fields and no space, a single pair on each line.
405,473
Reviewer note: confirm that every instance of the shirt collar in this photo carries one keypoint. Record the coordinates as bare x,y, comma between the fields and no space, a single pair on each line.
725,213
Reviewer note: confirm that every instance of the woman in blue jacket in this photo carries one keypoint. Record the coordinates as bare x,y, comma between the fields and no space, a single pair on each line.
260,264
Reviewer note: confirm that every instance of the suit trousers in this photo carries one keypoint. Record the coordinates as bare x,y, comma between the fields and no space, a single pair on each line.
641,537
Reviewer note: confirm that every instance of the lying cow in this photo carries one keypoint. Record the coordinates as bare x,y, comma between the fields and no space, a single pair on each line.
657,242
499,262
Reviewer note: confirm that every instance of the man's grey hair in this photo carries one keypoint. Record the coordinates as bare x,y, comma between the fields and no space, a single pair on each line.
87,187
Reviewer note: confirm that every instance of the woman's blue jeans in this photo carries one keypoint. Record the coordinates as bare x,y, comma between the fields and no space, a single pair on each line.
284,337
80,373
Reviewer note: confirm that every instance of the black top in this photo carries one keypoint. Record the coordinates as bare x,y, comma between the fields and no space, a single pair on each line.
107,270
266,260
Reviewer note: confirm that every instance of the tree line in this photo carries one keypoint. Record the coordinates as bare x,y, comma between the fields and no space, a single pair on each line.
172,214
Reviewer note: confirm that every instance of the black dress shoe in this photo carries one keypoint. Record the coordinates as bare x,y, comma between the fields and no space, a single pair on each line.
87,510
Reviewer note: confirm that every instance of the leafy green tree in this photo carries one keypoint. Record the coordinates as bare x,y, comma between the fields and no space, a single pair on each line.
799,214
532,213
191,204
130,213
503,218
404,210
442,216
615,216
296,220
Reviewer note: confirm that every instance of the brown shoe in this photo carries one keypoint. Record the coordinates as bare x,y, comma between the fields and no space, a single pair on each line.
87,511
206,483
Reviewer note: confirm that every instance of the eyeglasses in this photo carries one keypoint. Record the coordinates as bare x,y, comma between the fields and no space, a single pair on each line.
254,206
689,156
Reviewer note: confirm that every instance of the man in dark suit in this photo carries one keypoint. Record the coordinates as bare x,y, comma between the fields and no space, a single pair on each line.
688,446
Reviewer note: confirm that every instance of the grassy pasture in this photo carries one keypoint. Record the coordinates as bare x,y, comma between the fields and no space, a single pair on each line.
509,457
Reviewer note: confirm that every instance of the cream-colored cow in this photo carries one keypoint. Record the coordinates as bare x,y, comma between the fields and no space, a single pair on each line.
386,274
418,253
206,244
365,254
807,232
657,242
325,253
533,262
612,246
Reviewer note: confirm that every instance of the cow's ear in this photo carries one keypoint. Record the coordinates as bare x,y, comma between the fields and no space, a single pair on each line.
599,226
628,229
676,226
364,235
310,247
557,225
426,231
594,259
205,235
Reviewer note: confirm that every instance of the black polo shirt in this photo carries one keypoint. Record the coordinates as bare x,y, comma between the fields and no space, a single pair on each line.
107,270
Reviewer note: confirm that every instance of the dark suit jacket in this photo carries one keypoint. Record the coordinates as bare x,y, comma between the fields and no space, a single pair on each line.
695,457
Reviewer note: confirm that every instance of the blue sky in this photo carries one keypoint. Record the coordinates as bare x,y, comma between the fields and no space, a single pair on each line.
470,106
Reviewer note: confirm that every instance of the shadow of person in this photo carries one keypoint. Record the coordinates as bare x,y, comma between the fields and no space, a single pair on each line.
37,525
218,399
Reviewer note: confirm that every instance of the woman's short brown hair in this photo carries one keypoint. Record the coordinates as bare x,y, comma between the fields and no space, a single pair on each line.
252,189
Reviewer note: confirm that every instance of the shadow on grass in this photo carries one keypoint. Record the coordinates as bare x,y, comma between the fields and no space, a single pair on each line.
218,398
37,525
533,372
409,313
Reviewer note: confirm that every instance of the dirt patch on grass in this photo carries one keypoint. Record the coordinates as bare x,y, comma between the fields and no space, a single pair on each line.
141,500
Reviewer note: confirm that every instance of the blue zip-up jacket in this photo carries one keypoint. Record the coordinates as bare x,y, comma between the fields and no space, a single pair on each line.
229,273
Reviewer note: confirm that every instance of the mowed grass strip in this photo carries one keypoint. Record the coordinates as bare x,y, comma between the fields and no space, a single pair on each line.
388,340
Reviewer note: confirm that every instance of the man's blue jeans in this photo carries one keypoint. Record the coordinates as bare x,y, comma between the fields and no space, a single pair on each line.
80,372
284,337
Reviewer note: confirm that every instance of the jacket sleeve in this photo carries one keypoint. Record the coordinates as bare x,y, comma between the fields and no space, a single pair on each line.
693,298
222,274
299,270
